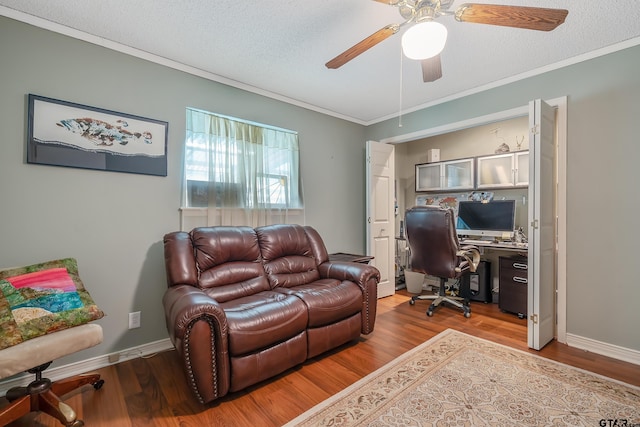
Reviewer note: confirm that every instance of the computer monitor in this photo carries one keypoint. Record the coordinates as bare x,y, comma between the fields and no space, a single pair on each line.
494,219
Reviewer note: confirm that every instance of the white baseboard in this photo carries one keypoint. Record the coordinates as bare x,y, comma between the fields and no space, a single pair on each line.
88,365
604,349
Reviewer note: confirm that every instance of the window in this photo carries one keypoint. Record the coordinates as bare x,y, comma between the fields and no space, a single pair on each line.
235,164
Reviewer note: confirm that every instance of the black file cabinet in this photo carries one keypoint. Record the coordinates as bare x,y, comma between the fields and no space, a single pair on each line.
513,285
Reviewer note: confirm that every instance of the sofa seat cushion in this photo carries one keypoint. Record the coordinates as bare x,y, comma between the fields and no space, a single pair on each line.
262,320
328,300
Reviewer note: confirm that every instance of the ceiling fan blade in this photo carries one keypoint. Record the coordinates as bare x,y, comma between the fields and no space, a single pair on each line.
431,69
530,18
363,46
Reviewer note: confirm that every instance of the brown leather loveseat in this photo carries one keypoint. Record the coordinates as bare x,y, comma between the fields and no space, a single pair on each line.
246,304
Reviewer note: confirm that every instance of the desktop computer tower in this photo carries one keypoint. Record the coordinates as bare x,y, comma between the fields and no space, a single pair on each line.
477,285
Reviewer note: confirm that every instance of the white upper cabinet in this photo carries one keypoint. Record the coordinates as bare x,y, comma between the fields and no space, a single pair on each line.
503,170
450,175
522,168
428,177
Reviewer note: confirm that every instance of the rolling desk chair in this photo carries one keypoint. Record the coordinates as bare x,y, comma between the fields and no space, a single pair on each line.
42,394
435,251
34,355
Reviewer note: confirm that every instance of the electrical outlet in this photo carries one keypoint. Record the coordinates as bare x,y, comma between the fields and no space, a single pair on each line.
134,320
113,358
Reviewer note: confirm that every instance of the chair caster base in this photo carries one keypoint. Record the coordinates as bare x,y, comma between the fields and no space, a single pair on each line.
42,395
16,393
442,299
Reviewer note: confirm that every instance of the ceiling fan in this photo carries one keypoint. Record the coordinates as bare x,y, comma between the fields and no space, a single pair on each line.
423,13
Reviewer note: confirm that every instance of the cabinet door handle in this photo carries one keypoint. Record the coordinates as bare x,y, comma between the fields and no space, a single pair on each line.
519,266
519,279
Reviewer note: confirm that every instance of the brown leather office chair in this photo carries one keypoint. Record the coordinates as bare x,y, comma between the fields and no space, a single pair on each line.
435,251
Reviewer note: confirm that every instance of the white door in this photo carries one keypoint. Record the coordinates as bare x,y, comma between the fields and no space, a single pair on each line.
380,165
542,219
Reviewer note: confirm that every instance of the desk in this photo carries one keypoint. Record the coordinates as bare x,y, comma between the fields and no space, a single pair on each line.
500,282
491,244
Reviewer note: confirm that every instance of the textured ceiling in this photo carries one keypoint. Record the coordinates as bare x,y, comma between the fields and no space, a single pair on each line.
279,48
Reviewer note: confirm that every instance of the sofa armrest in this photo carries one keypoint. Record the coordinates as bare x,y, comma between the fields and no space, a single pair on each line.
198,329
353,271
366,277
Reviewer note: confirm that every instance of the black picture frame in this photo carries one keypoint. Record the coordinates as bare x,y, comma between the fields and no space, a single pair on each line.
62,133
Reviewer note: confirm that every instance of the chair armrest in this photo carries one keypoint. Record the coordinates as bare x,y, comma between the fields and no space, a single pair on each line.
198,329
471,255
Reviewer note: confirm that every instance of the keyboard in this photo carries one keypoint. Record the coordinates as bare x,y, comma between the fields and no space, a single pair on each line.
491,243
476,242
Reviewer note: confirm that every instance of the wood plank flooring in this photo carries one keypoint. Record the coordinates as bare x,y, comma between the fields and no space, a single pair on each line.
153,391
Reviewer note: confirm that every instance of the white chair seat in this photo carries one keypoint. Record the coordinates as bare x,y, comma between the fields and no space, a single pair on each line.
40,350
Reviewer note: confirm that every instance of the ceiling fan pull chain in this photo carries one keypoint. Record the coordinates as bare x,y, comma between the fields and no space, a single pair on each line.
401,85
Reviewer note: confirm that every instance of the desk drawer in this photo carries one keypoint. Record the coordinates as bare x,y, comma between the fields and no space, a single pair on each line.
517,266
513,276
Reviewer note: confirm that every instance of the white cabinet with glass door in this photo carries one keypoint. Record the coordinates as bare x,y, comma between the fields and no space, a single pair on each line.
503,170
521,174
450,175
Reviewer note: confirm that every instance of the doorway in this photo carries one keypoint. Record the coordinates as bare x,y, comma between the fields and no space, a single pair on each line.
560,106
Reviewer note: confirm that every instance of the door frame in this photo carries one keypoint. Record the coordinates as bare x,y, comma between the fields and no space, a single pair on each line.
560,105
380,223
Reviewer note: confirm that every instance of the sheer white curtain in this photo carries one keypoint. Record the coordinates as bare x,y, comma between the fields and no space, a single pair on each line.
241,172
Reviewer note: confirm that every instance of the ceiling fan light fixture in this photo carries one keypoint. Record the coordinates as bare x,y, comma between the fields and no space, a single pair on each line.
424,40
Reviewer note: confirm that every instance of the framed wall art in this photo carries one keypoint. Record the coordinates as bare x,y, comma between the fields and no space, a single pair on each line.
63,133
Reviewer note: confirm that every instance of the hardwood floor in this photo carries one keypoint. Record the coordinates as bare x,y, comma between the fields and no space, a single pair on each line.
153,391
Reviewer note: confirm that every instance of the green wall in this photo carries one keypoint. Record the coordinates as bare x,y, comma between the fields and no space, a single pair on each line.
113,223
603,150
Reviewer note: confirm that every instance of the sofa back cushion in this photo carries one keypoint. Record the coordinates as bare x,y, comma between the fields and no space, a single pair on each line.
228,261
287,255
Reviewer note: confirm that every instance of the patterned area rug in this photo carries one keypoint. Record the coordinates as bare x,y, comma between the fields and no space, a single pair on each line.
458,380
